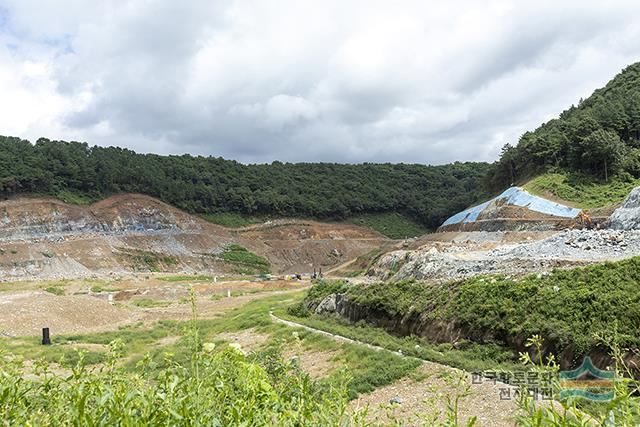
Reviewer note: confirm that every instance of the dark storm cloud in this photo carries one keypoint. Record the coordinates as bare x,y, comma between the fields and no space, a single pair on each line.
305,81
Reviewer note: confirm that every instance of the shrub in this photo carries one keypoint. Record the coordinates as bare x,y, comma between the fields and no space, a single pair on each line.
299,310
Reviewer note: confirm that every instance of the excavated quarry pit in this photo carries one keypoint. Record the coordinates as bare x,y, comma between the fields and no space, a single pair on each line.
48,239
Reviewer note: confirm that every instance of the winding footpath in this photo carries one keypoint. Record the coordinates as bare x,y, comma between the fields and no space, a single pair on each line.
485,399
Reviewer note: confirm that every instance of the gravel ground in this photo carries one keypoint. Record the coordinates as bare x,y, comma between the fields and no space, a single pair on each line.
589,245
565,249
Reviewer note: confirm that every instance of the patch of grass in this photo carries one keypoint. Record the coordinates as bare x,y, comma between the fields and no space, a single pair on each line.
150,303
64,355
244,261
186,278
581,191
373,369
390,224
354,273
319,291
55,290
324,288
154,261
75,198
231,219
235,278
238,293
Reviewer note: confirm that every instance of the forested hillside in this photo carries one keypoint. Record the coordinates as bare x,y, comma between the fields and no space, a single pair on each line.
75,171
600,138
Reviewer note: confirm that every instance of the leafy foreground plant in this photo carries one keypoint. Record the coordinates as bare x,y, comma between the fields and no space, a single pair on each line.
223,388
218,387
623,410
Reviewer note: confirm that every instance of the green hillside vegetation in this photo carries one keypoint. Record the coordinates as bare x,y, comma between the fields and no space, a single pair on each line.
391,224
79,173
600,138
580,190
569,307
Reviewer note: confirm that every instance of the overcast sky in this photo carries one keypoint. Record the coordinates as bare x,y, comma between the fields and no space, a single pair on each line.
294,80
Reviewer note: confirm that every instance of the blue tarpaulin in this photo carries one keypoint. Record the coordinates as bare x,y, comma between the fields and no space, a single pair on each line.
517,197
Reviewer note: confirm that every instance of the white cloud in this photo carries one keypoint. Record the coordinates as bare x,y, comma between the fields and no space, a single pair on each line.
258,80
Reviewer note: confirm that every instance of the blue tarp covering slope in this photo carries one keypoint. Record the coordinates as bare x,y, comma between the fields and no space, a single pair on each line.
517,197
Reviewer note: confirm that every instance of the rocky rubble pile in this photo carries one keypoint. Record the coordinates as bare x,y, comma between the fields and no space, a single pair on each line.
564,249
578,244
627,216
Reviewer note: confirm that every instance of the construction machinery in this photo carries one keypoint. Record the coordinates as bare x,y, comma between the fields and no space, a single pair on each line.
585,220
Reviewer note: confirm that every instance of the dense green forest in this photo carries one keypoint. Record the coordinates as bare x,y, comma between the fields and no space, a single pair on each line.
599,138
206,185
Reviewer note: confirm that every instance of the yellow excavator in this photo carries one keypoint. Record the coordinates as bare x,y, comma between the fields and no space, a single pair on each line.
585,220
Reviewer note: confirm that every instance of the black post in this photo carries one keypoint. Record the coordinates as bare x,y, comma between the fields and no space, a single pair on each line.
46,340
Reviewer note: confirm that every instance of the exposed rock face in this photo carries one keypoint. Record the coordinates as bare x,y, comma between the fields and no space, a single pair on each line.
627,216
334,303
27,218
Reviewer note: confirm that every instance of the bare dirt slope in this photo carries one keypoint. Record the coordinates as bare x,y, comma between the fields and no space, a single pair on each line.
301,245
44,238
